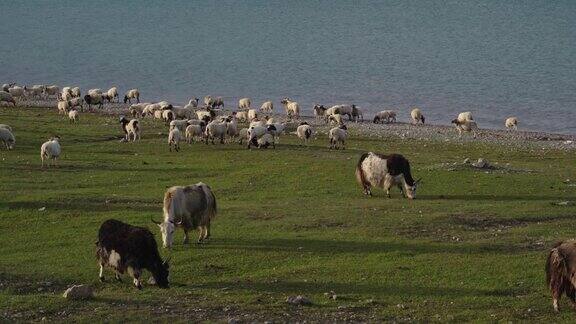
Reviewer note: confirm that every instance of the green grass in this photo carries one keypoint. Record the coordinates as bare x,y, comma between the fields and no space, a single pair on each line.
291,221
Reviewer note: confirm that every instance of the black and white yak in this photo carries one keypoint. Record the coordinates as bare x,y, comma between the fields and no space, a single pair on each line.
385,171
190,207
127,248
561,272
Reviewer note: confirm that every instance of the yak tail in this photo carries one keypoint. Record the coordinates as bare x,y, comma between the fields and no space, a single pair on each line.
360,175
556,268
210,201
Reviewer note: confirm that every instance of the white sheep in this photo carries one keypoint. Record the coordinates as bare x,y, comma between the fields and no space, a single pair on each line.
7,137
94,99
136,110
180,124
252,114
244,103
292,108
113,94
242,116
232,129
193,103
158,114
319,111
66,93
341,109
35,91
216,129
266,140
304,132
131,128
417,116
63,106
7,86
257,123
267,107
73,115
206,115
511,123
257,131
7,97
76,93
465,126
357,114
16,92
167,116
385,116
52,90
338,137
336,119
464,116
51,150
194,131
183,112
214,102
276,130
76,102
132,94
242,135
174,138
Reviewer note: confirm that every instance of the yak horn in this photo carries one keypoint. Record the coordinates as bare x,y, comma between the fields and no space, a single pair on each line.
154,221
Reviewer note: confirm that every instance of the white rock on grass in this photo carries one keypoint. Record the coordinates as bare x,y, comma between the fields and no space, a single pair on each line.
299,300
79,292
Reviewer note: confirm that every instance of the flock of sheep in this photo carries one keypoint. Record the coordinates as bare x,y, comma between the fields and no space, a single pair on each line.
208,122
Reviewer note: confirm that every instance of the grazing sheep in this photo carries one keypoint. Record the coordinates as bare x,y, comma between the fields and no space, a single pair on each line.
76,102
7,137
304,132
465,126
242,135
257,123
7,86
66,93
385,116
7,97
206,115
336,119
76,93
6,127
216,129
180,124
194,131
73,115
52,90
94,99
16,92
131,128
150,109
63,106
51,150
277,130
183,112
267,107
232,130
265,141
357,114
417,116
242,116
158,114
465,116
244,103
132,94
341,109
338,137
319,111
136,110
35,91
511,123
214,102
377,170
113,94
193,103
292,108
174,138
167,116
252,114
560,272
257,131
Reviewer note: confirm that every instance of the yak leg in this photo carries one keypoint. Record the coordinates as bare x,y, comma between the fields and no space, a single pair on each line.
135,273
186,240
200,234
101,275
388,181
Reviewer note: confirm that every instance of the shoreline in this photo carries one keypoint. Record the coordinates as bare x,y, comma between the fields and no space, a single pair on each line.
429,132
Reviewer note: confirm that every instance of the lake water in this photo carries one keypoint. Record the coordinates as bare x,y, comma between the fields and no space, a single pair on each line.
493,57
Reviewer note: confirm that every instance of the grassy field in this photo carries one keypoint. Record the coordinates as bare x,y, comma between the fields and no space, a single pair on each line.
292,221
